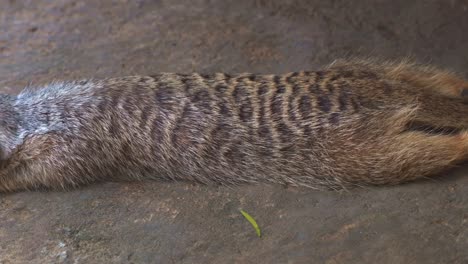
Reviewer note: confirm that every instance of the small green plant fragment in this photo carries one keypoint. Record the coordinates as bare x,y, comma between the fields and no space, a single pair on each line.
252,222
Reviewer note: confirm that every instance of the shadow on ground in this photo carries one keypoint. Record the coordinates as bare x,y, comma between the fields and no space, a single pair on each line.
40,41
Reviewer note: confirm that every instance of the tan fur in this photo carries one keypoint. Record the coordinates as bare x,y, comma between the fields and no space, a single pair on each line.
354,123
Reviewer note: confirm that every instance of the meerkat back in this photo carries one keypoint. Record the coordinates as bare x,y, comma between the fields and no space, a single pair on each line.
352,123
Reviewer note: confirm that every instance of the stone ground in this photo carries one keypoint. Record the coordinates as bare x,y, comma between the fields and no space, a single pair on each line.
153,222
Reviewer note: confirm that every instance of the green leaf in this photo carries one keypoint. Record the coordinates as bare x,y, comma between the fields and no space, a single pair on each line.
252,222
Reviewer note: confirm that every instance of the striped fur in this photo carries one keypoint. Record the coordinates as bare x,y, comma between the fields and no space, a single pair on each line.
352,123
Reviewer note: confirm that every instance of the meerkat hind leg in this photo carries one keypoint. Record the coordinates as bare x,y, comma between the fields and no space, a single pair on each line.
397,154
439,81
436,137
423,155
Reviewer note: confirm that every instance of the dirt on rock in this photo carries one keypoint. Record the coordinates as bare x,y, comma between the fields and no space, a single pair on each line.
155,222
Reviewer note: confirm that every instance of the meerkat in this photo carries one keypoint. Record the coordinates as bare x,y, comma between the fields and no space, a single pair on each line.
353,123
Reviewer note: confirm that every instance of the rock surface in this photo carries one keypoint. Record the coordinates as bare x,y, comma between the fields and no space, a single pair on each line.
154,222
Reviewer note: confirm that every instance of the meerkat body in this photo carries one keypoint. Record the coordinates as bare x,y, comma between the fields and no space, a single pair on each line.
353,123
